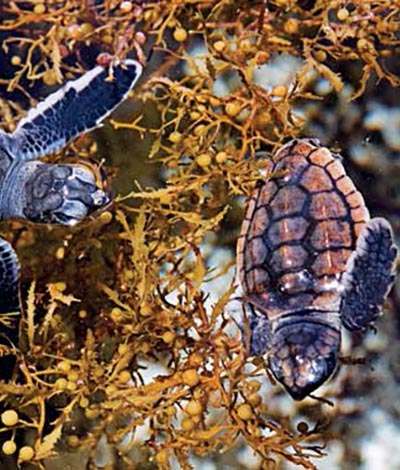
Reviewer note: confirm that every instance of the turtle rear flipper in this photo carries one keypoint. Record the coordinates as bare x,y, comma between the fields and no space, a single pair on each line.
76,108
9,304
9,279
369,275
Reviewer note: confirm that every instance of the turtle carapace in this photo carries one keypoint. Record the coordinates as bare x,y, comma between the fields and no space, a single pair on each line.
310,260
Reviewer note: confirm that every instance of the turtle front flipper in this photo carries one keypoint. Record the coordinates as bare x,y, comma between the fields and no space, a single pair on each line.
76,108
256,331
369,275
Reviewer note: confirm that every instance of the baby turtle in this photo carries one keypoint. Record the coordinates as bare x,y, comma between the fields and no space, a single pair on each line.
310,260
55,193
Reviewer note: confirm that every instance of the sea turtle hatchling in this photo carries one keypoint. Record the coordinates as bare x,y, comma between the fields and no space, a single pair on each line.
310,260
55,193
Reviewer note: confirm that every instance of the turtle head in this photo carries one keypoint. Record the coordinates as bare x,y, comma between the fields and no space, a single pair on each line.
303,355
64,194
47,193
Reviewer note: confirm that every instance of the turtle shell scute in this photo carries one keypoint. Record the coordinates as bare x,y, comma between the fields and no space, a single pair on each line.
300,228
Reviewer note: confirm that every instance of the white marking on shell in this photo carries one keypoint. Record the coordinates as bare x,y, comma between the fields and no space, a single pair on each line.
300,279
331,284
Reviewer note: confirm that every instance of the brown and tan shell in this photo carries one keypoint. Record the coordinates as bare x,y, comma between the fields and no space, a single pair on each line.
299,230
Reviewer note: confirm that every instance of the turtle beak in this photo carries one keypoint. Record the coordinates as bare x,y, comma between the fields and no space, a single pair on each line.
100,199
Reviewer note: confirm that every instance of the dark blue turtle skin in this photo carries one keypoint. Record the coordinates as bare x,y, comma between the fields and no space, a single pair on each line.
55,193
64,194
310,261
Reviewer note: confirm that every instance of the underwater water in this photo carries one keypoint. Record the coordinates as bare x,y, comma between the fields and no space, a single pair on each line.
131,350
